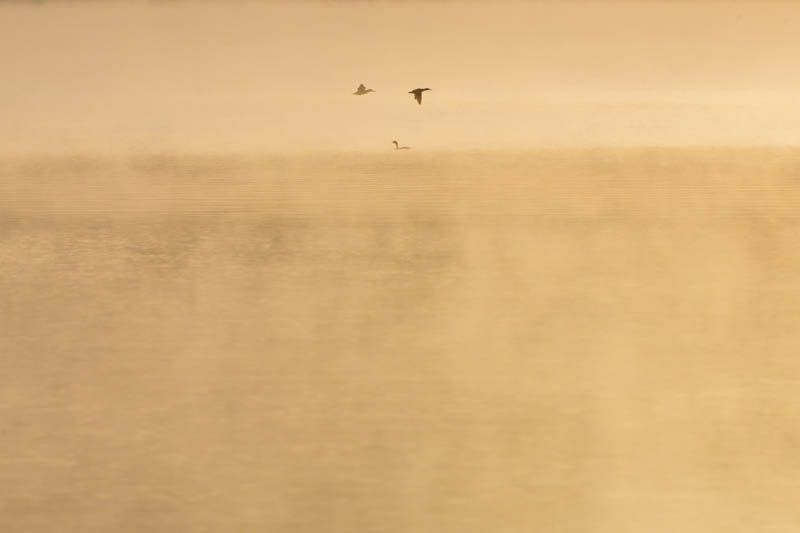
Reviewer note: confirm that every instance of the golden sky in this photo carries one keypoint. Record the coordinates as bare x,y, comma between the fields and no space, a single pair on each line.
252,77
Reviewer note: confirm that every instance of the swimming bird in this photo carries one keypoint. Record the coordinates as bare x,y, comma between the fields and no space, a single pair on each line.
398,147
362,90
418,94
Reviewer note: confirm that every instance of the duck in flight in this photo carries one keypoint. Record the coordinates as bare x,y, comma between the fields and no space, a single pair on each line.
361,91
418,94
398,147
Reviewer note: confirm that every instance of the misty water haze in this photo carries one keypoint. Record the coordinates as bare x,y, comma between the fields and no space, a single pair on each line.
250,77
229,303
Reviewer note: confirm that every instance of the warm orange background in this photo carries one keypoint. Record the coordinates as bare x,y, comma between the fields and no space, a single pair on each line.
251,76
227,304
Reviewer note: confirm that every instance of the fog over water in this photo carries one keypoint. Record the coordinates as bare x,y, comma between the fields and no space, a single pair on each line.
228,304
252,77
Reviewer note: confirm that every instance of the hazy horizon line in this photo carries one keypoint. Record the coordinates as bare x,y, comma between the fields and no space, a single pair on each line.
416,149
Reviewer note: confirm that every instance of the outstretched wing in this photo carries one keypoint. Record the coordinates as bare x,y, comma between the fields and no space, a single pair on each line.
418,97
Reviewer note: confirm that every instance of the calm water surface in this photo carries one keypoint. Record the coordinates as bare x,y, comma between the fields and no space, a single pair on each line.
587,341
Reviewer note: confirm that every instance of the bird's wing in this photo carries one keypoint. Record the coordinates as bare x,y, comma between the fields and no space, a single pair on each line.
361,87
418,97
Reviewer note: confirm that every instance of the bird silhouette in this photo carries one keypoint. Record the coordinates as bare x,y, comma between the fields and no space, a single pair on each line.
361,91
418,94
398,147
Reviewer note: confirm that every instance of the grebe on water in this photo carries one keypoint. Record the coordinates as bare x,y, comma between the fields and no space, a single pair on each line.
398,147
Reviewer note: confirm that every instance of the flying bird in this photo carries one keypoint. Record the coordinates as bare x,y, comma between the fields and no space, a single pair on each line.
398,147
362,90
418,94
